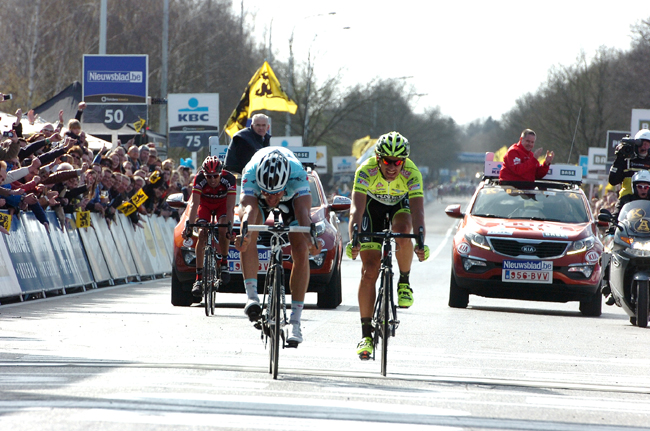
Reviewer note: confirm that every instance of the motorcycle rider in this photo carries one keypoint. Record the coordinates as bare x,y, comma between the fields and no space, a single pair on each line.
641,190
627,164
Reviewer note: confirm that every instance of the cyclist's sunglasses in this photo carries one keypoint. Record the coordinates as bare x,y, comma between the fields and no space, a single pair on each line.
267,194
212,175
386,162
643,186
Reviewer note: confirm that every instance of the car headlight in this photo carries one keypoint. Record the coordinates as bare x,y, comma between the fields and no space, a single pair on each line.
478,240
320,227
581,245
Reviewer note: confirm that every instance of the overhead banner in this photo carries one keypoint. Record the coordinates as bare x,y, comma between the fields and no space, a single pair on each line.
192,119
115,79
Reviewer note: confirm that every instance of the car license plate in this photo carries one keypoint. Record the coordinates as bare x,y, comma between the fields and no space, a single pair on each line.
234,261
527,271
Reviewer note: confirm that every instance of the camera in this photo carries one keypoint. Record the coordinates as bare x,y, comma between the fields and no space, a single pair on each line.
6,97
8,134
628,147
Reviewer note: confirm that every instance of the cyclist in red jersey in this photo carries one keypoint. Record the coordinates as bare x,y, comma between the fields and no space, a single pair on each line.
214,192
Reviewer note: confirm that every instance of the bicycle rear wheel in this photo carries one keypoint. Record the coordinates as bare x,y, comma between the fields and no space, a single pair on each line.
208,280
275,325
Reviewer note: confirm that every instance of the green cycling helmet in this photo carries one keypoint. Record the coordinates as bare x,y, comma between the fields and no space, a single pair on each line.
392,145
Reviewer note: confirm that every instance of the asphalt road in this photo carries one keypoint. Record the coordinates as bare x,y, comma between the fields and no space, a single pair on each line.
122,358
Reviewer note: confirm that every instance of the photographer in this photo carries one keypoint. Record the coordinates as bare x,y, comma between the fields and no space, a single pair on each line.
631,156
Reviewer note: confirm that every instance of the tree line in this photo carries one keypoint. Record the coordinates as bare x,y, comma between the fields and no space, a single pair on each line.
585,99
212,49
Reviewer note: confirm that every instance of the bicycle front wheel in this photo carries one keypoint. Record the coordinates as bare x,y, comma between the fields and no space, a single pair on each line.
275,325
384,310
208,280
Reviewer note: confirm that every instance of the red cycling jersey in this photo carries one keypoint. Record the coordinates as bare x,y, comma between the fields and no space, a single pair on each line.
213,199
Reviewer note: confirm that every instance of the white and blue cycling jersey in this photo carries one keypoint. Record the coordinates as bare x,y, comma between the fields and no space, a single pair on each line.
297,185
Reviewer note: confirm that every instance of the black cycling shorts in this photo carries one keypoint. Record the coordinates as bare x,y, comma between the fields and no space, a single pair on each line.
374,220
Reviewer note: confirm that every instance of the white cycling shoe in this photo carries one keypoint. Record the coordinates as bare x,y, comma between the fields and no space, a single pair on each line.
295,335
253,309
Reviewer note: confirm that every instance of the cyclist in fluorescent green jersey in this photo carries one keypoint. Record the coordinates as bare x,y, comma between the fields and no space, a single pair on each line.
388,184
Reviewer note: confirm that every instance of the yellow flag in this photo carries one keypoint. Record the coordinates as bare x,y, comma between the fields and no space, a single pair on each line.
498,155
360,146
138,125
263,92
5,221
83,219
127,208
139,198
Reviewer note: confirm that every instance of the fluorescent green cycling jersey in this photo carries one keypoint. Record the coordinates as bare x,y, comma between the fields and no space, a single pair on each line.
369,180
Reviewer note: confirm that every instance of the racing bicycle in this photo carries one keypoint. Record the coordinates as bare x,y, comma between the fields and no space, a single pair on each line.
274,312
211,263
384,316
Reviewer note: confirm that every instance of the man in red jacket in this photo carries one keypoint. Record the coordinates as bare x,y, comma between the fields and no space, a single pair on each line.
520,163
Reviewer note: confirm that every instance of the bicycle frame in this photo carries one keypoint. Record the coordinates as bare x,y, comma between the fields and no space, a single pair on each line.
384,317
211,268
274,315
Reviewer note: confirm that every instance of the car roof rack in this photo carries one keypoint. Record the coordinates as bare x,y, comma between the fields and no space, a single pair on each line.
558,176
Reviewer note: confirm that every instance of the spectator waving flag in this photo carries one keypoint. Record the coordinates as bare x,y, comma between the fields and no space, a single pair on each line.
263,92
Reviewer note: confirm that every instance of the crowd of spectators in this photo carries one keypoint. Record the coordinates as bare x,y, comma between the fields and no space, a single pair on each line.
55,169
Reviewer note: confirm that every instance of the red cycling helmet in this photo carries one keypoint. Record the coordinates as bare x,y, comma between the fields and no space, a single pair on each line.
212,165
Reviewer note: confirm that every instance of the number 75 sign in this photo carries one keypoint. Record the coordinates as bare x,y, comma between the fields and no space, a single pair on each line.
192,119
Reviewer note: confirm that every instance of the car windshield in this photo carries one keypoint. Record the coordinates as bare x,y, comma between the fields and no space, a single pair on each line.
546,205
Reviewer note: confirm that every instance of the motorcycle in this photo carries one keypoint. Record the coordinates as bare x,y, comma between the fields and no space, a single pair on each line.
627,260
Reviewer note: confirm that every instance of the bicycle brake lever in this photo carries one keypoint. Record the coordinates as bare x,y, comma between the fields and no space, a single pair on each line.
243,232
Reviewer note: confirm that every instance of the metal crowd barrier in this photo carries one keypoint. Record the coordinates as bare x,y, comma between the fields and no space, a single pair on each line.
38,263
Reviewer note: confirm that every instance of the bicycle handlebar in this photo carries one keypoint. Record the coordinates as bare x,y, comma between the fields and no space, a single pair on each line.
419,237
264,228
199,225
278,228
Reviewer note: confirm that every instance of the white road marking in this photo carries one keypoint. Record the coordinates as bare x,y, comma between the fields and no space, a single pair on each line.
443,243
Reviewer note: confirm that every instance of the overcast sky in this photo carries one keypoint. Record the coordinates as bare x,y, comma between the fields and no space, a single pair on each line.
473,59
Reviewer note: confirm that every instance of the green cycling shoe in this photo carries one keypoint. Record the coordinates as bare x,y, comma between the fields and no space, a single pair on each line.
404,295
365,348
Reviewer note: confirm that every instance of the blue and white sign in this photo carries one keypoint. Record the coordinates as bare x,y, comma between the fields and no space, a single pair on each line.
286,141
344,164
584,162
192,119
115,79
556,172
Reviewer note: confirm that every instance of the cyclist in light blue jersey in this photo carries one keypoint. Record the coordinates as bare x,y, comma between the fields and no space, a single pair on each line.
274,177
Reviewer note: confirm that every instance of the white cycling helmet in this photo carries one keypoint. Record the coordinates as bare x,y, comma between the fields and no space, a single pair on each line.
273,172
641,177
643,134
